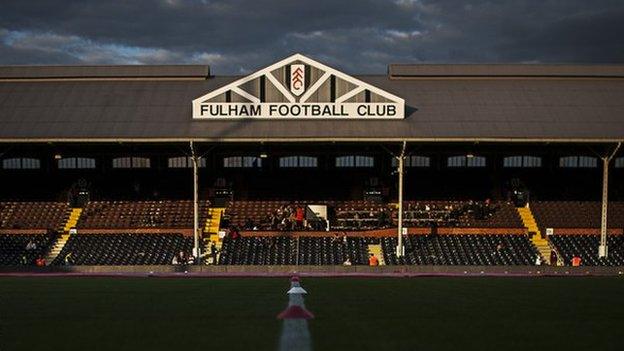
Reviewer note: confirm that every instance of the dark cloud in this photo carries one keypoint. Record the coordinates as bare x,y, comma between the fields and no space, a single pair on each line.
236,36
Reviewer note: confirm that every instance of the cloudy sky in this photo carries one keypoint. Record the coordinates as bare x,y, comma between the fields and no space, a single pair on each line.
358,36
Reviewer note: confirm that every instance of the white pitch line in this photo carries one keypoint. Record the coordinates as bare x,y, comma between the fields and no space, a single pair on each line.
295,332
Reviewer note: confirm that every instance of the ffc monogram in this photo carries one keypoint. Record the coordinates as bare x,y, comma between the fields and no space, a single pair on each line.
297,79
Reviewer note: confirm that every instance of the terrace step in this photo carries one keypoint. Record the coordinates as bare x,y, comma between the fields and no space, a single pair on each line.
543,246
211,229
57,247
74,216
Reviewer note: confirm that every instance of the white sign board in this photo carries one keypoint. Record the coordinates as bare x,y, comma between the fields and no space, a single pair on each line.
305,110
297,98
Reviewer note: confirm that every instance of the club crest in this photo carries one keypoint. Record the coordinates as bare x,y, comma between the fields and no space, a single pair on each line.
297,79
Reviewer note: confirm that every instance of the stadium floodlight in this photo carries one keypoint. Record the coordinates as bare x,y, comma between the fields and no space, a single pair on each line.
58,156
264,155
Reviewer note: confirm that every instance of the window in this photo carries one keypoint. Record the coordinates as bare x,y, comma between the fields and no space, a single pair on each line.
131,162
355,161
298,161
242,162
578,162
21,163
364,161
456,161
619,162
413,161
184,162
76,163
522,161
345,161
465,161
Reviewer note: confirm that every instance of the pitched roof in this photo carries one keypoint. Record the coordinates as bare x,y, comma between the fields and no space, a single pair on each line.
111,72
457,107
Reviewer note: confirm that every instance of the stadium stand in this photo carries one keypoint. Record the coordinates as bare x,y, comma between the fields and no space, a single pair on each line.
576,214
586,247
361,215
479,214
141,214
503,132
33,215
576,226
258,250
14,248
155,245
123,249
485,250
270,215
357,215
282,250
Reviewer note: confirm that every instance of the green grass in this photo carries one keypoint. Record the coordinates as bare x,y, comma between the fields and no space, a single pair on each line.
351,314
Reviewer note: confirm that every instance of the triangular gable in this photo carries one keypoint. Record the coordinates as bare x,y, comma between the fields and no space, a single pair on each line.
288,81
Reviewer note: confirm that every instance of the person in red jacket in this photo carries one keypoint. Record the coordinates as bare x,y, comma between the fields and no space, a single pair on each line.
576,261
299,218
373,260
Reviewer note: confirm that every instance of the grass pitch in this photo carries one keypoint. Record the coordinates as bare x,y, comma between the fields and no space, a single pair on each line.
480,313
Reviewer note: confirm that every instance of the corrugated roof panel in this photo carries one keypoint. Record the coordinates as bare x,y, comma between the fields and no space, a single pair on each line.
461,108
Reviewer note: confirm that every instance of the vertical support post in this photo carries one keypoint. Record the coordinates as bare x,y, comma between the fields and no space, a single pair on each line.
603,249
297,257
400,250
195,160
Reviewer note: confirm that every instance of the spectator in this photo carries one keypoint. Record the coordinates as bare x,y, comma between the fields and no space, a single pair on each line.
249,224
499,247
234,233
372,260
174,260
576,261
40,262
381,218
213,252
31,246
538,260
68,259
336,239
299,217
275,222
553,258
347,262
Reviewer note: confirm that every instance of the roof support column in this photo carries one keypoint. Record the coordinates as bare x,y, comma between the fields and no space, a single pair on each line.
195,160
400,249
603,249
